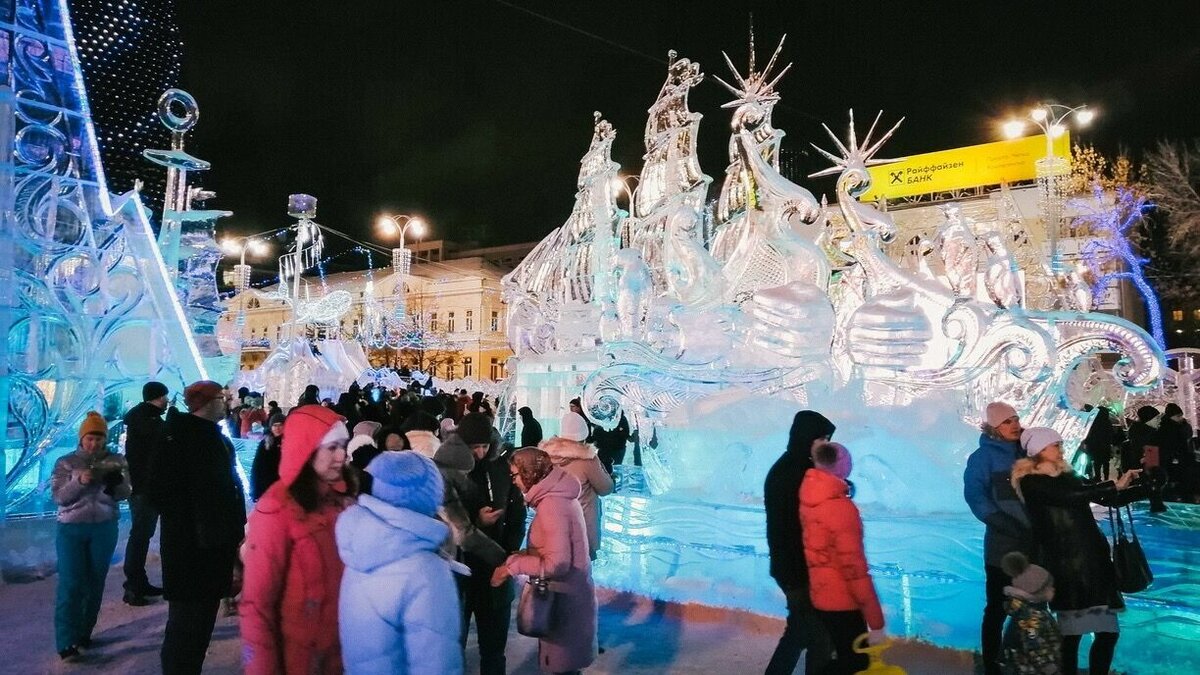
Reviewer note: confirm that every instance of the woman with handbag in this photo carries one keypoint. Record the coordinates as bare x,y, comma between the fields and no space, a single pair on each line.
1070,545
559,605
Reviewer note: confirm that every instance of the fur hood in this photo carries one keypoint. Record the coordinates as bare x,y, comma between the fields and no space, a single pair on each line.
1029,465
564,450
424,442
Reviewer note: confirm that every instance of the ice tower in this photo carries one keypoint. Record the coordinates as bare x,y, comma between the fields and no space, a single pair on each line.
87,308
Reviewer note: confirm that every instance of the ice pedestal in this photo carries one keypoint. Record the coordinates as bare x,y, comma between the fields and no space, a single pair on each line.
928,569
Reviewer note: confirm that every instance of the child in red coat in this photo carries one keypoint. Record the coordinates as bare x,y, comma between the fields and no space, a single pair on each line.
839,584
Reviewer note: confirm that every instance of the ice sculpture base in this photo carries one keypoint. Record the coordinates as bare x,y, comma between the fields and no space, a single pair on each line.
927,569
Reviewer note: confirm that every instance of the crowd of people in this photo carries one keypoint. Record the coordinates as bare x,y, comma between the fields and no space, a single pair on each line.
372,530
379,526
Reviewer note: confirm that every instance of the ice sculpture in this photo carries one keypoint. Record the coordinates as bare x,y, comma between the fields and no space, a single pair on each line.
87,308
186,237
808,310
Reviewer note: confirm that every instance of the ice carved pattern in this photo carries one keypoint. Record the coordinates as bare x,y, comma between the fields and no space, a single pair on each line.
78,329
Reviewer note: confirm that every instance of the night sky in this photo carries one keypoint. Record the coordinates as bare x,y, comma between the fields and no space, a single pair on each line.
474,115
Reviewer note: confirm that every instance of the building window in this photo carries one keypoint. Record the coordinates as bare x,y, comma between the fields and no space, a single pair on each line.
468,366
433,321
495,321
449,371
1177,315
278,332
449,322
470,321
1196,314
495,369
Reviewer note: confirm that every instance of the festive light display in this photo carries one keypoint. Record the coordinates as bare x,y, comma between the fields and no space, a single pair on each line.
90,312
710,356
131,53
1111,257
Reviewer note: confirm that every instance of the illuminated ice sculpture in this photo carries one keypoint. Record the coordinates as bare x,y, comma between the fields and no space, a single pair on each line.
708,330
87,308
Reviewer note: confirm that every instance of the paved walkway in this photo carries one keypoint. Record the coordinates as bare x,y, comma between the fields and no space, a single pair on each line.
640,636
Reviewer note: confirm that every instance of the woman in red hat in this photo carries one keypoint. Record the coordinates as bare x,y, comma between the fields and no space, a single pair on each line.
293,572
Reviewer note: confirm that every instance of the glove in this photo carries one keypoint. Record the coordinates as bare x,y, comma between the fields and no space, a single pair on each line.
876,637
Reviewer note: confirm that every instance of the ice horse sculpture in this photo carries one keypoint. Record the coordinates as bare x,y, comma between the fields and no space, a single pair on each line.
790,304
87,308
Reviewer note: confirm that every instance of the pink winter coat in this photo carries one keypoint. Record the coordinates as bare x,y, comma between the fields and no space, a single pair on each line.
289,606
558,549
579,460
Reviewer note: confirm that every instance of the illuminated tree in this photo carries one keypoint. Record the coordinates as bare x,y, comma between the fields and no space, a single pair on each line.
1112,256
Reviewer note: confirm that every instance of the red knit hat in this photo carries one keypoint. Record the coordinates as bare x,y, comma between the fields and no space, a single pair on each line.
303,432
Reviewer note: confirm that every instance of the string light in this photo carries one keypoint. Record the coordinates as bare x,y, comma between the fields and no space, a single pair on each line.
131,52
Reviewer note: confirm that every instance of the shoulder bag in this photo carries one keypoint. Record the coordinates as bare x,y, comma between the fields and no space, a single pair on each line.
1133,571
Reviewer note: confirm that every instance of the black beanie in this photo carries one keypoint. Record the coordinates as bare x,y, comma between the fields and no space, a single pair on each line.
152,390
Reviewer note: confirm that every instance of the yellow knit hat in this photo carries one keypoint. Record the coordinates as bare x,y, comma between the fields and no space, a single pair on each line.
93,424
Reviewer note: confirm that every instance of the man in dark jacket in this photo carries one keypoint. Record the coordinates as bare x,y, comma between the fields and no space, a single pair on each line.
498,510
197,491
610,445
989,493
531,429
143,426
785,542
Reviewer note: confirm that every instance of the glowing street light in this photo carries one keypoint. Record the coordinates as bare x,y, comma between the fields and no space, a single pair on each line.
241,246
401,257
1053,120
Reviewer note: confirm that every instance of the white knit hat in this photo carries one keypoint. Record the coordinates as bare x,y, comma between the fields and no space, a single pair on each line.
573,427
1036,439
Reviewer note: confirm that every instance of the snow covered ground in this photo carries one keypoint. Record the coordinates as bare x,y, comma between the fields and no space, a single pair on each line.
640,636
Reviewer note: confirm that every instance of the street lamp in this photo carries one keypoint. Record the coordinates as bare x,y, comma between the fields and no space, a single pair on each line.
401,256
1052,170
242,246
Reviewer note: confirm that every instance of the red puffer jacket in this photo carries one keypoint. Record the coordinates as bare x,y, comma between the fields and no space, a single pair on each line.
289,606
833,546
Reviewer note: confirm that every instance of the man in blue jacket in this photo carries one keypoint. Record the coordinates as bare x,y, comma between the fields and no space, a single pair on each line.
988,491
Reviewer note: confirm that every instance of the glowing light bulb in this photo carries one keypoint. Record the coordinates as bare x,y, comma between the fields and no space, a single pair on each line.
1013,129
1057,130
417,226
1038,114
1084,117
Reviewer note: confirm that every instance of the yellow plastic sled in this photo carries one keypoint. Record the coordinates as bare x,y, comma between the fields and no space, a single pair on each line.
875,653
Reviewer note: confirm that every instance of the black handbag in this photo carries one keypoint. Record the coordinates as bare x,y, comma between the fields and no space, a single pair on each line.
535,609
1129,560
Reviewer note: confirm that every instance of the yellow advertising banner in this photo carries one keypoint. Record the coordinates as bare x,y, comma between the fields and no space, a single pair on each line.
961,168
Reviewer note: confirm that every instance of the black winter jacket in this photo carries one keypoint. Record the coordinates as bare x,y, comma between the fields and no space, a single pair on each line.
143,429
199,497
1068,541
781,501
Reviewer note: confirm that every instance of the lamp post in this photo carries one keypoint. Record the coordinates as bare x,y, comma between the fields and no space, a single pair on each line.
1052,170
401,256
241,275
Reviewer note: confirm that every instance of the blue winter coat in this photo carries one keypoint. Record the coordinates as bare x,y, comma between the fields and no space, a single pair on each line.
399,611
989,492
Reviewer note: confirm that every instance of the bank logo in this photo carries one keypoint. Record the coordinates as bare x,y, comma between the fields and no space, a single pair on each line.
897,177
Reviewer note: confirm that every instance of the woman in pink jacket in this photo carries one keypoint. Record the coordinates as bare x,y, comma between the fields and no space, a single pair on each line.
558,550
569,451
289,604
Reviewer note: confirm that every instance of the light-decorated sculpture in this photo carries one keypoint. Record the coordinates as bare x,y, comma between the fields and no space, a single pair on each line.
295,362
87,308
709,345
186,236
